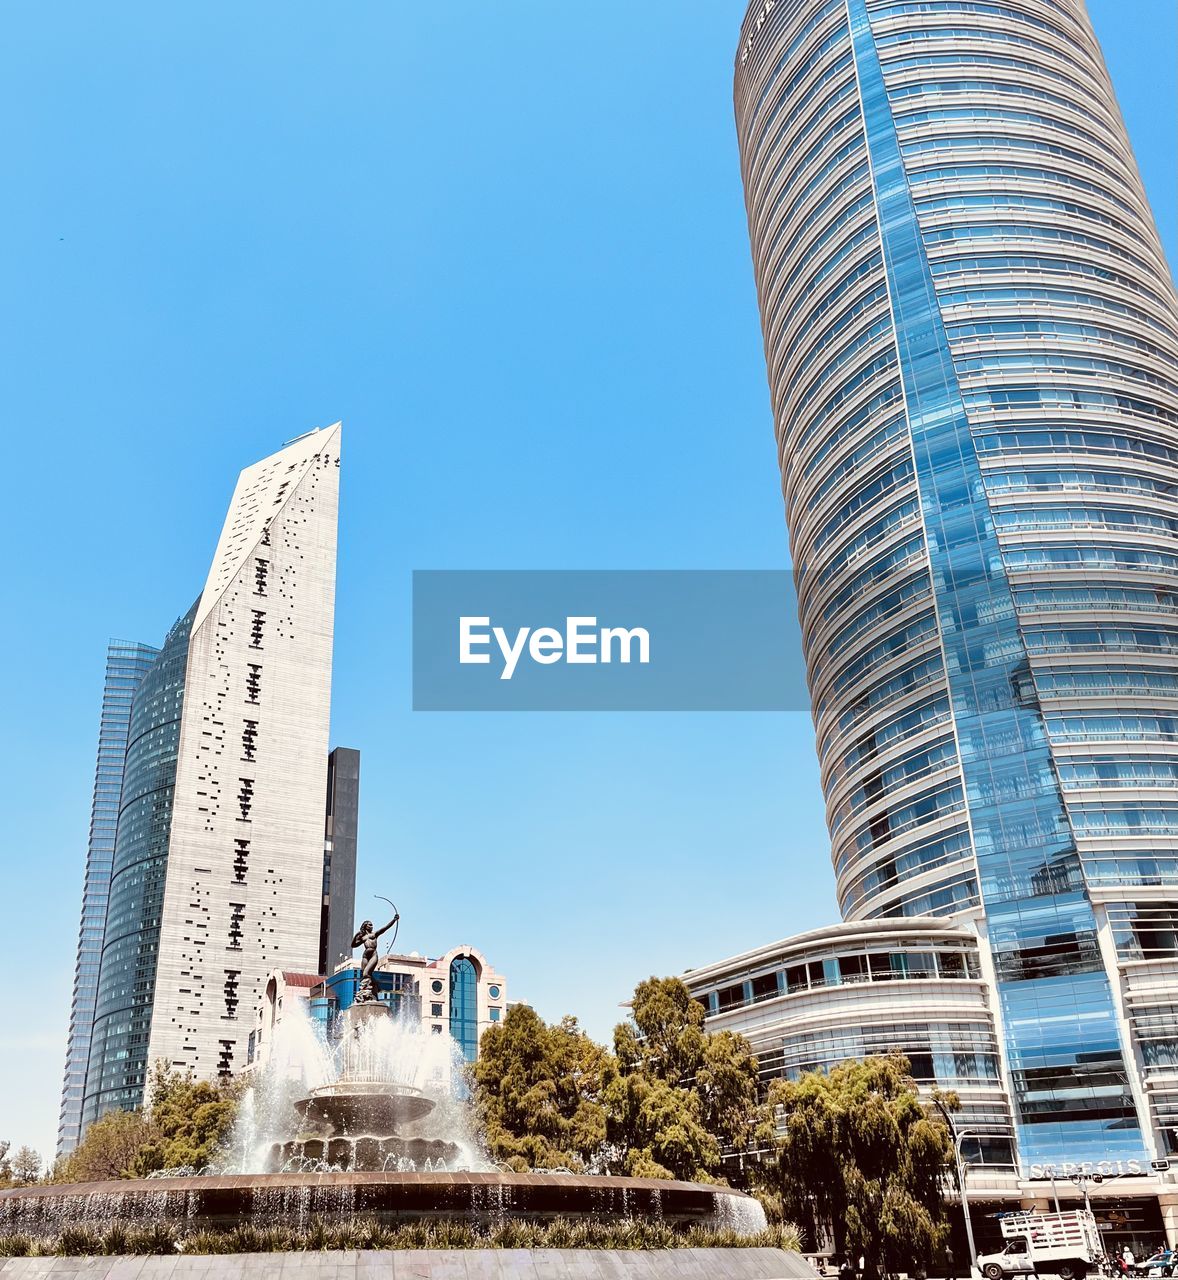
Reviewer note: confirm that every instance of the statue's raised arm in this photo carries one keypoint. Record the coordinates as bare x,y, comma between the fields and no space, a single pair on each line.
388,926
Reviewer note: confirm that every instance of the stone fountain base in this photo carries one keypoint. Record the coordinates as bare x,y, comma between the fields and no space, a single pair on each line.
297,1200
434,1264
365,1151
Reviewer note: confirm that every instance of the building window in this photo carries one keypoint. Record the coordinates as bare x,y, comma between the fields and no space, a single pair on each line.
436,986
435,1010
730,997
436,1028
853,968
765,987
464,989
493,992
952,964
495,1015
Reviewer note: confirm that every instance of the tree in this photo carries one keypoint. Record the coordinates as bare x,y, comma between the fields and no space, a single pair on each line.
863,1160
188,1121
538,1092
669,1104
108,1149
655,1130
20,1169
679,1097
186,1124
25,1167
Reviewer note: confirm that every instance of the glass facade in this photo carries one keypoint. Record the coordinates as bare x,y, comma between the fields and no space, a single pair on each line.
126,664
117,1068
464,1006
972,343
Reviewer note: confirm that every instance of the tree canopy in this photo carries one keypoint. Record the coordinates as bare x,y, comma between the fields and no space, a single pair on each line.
108,1149
20,1169
863,1159
186,1123
679,1096
538,1092
664,1104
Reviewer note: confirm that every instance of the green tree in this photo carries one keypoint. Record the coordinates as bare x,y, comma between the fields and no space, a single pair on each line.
538,1092
678,1096
863,1160
655,1130
188,1121
25,1167
20,1168
108,1150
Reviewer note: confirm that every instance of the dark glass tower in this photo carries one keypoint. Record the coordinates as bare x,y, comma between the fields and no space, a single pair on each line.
126,978
126,664
339,858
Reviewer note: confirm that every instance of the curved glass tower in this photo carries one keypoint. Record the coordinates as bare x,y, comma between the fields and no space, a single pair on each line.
972,343
126,976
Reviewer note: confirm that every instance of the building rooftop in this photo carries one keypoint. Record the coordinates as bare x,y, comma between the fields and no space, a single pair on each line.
925,928
300,979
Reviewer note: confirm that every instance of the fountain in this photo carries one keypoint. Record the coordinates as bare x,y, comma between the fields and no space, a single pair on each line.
352,1122
364,1126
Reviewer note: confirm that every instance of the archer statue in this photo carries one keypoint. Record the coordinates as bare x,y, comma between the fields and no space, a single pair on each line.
366,937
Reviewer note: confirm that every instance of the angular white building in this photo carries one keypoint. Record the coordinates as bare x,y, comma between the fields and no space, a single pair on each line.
218,866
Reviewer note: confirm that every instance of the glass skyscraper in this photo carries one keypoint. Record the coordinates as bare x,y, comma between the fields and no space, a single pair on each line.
130,948
972,343
126,664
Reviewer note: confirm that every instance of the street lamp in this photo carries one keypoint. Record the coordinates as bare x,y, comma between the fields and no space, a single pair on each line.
1083,1181
958,1136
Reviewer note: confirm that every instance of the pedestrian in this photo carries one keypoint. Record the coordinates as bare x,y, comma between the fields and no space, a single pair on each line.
846,1271
950,1263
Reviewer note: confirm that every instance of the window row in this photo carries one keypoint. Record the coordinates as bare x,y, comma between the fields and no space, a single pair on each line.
842,970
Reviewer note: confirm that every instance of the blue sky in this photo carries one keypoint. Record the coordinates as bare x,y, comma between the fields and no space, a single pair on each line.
505,243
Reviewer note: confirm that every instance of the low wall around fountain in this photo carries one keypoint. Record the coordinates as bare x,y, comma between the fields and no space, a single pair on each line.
297,1200
433,1264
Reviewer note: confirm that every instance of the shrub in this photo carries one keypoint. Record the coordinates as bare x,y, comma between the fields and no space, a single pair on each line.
365,1234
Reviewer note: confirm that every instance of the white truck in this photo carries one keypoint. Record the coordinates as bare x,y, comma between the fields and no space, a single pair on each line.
1059,1244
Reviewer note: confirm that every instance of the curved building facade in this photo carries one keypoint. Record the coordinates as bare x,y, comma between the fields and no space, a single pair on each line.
972,344
130,948
877,987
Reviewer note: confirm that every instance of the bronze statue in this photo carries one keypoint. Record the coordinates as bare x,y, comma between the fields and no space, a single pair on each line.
366,937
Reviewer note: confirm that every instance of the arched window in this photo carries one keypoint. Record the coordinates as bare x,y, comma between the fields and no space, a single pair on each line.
464,1006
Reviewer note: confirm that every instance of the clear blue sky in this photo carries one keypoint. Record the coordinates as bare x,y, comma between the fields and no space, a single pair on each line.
505,243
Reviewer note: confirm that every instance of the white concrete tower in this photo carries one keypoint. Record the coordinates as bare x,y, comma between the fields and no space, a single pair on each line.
245,854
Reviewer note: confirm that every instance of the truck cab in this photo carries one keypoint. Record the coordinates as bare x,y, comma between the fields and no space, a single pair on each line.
1015,1259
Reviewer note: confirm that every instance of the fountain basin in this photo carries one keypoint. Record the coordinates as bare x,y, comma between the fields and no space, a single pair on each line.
291,1199
355,1106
